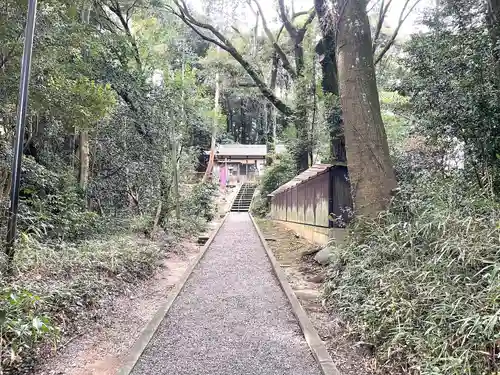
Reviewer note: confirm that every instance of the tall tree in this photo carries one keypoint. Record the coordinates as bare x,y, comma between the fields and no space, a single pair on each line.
326,50
370,167
459,92
211,160
84,149
298,113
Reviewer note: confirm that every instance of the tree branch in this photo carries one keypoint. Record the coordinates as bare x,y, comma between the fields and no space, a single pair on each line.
381,18
116,9
184,14
286,21
128,15
373,5
128,100
284,59
402,19
298,14
302,31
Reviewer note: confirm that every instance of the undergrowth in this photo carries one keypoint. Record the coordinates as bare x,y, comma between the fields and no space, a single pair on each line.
58,290
280,172
421,283
63,279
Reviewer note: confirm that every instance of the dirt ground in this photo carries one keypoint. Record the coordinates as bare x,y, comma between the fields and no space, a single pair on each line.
306,278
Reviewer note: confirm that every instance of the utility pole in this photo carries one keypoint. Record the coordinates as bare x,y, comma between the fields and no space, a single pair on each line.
22,108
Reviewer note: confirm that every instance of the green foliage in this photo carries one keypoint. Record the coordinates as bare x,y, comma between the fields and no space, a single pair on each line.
84,101
394,109
134,92
454,82
51,204
23,325
420,283
281,171
199,203
60,288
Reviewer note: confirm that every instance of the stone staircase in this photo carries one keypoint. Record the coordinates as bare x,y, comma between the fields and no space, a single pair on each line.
244,198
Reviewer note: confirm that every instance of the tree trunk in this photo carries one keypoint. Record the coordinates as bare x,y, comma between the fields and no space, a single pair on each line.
370,167
162,211
175,164
84,135
326,50
208,173
175,180
84,159
243,123
230,127
493,22
303,146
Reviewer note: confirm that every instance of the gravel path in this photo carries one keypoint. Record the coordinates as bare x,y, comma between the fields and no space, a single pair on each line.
231,317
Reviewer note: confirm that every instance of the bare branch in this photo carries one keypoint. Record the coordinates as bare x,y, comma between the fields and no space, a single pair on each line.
236,30
302,31
373,5
123,26
104,15
402,18
184,14
284,59
200,34
117,10
298,14
286,21
381,18
128,15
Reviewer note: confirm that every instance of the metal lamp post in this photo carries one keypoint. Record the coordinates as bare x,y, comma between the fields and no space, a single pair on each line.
22,108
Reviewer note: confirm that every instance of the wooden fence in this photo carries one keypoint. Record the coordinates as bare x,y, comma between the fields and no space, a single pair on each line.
320,197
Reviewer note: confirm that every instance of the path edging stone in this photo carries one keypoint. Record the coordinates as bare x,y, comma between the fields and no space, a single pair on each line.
149,331
317,346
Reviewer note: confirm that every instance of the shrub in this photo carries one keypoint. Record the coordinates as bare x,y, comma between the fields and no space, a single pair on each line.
281,171
51,204
24,325
421,283
199,203
60,288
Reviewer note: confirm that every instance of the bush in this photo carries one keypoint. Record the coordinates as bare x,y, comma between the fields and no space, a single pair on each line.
421,283
24,325
59,289
51,204
200,203
281,171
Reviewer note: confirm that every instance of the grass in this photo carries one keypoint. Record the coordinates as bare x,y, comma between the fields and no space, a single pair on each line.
421,283
60,288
